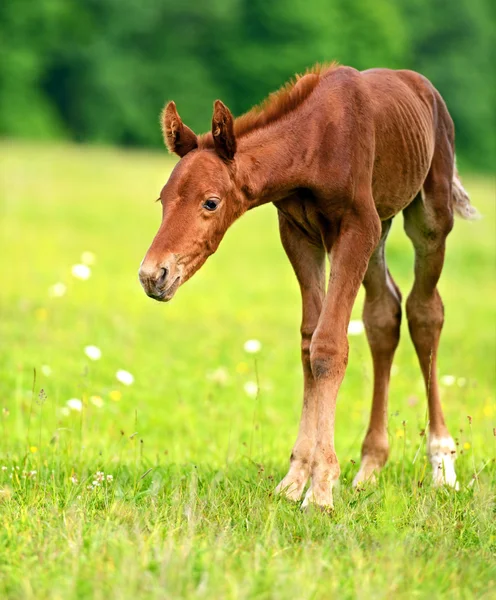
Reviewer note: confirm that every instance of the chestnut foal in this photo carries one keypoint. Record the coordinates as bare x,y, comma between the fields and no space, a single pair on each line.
340,153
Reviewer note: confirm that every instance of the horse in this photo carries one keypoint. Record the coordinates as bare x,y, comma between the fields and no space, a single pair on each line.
340,153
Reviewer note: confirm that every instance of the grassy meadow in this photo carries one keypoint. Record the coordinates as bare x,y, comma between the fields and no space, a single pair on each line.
186,457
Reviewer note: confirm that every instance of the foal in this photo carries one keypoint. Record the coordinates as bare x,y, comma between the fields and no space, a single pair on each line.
340,153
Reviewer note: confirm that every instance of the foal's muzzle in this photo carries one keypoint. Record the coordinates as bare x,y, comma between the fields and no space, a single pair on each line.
159,282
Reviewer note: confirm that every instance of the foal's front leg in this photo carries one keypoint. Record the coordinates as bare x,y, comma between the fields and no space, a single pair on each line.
350,254
308,260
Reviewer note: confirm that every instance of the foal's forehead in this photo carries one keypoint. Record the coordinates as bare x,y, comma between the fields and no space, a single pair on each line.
199,172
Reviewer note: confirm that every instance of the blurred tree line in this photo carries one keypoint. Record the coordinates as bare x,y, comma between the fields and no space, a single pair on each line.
101,70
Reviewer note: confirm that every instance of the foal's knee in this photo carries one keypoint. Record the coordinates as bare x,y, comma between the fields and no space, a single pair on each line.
328,359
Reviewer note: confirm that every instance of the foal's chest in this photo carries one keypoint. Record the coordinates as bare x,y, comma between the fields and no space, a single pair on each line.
303,214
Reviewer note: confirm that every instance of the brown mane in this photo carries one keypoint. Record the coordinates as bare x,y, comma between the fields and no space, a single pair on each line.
278,104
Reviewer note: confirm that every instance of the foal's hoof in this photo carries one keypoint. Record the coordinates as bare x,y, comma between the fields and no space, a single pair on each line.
367,474
290,489
318,499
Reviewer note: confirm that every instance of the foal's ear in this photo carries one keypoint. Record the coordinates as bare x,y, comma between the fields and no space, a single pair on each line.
223,131
178,137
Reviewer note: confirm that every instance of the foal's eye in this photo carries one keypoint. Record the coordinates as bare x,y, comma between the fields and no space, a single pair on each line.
211,204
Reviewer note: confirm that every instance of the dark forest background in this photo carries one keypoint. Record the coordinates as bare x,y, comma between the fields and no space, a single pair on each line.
101,70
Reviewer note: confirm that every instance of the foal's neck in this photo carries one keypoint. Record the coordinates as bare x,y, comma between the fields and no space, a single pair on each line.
270,164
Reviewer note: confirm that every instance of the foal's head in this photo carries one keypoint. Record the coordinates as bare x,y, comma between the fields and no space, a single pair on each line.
199,202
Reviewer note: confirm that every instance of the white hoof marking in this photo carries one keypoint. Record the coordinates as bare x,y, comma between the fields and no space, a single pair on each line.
442,454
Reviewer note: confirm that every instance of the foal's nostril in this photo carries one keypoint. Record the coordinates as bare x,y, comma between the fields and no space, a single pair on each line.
162,276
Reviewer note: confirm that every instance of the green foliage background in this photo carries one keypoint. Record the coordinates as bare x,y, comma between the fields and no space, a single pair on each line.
100,70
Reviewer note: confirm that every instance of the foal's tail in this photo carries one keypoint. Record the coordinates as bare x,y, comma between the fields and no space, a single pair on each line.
461,200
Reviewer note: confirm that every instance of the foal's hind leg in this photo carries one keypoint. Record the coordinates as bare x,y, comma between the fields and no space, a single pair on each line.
428,220
382,319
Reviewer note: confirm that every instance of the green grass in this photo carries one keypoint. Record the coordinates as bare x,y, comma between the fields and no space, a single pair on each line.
194,459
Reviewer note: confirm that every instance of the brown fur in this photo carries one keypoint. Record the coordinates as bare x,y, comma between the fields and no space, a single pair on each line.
340,153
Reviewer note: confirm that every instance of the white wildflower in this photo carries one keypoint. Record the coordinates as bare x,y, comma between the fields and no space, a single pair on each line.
124,377
252,346
356,328
57,290
93,352
448,380
251,389
65,411
4,468
75,404
88,258
74,479
46,370
110,478
81,272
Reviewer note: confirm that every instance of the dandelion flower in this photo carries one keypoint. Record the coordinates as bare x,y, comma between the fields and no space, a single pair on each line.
252,346
88,258
41,314
448,380
488,410
124,377
33,449
93,352
356,328
251,389
75,404
81,272
115,395
96,401
57,290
